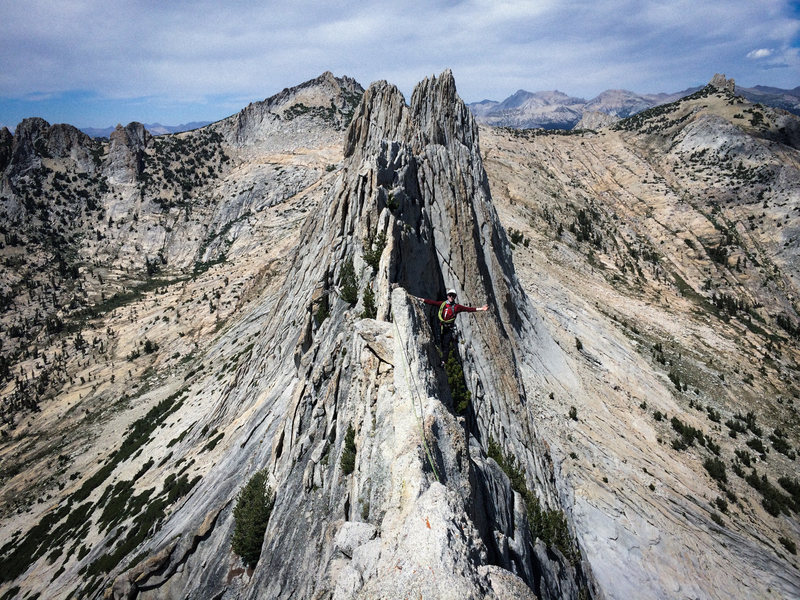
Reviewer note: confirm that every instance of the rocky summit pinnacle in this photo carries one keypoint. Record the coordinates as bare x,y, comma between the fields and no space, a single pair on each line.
720,82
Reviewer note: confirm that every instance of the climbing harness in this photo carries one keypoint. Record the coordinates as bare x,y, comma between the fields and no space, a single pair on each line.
447,313
414,393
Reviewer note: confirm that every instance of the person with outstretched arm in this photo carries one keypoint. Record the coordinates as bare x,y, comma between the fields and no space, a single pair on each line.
448,310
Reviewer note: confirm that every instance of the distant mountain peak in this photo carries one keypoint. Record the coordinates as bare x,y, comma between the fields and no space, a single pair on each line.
557,110
514,100
153,128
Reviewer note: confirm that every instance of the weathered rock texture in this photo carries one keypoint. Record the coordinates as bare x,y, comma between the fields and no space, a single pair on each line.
123,271
406,520
595,120
646,248
196,326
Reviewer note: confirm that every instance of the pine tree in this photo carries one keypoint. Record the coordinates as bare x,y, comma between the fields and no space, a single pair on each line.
348,460
370,310
251,514
347,282
458,386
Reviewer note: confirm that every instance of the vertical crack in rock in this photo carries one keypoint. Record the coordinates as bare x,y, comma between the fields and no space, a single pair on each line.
424,511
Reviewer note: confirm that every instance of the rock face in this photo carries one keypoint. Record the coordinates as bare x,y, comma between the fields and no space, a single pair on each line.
35,139
620,239
126,152
595,120
424,510
720,82
242,299
24,154
326,97
6,140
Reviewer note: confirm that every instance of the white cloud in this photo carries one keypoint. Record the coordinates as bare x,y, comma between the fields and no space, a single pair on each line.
212,50
760,53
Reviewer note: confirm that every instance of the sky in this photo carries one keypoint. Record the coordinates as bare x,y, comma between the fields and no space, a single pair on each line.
96,63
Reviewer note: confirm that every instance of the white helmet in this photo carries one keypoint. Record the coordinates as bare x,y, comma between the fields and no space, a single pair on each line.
451,291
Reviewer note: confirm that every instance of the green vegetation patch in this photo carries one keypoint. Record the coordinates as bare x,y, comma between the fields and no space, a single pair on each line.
213,442
688,292
780,443
251,514
51,533
351,102
325,114
11,593
716,468
458,385
179,164
550,526
373,250
115,499
688,435
348,284
773,500
121,299
788,544
42,538
370,310
653,120
348,460
793,487
149,516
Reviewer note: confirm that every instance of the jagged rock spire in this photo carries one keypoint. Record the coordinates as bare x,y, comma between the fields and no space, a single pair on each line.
720,82
34,139
126,146
440,115
382,115
436,115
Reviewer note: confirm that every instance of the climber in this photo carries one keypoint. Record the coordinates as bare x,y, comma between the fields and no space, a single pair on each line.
448,310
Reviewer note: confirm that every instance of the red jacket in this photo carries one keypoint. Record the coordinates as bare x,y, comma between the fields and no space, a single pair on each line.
448,312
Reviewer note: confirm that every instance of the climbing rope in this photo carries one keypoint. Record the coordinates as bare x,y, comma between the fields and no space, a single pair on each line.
414,392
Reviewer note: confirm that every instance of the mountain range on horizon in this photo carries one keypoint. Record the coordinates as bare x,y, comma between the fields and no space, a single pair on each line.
153,128
549,109
557,110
